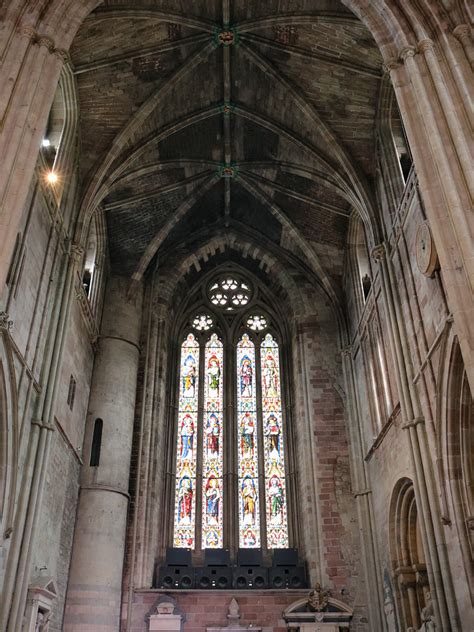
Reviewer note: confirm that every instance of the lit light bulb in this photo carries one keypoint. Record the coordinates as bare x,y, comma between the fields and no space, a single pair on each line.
51,177
46,142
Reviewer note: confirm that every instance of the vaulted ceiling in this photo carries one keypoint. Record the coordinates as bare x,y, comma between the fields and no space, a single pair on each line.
216,114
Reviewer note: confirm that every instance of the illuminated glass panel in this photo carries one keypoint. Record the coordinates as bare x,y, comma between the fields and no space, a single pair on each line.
185,499
274,452
212,449
203,322
249,506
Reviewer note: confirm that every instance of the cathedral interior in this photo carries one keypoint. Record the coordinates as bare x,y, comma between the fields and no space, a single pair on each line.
236,316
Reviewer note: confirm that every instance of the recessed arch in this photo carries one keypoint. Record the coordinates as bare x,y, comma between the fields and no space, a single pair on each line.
455,448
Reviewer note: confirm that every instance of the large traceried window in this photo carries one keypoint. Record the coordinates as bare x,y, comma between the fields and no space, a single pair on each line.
230,452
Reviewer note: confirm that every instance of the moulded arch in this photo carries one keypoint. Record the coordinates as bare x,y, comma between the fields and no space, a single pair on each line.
358,260
455,408
248,249
407,553
9,433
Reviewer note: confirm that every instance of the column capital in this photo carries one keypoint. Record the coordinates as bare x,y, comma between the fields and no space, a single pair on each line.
461,31
37,39
407,52
424,45
378,253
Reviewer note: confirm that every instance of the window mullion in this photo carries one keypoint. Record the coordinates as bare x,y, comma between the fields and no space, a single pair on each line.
261,452
199,454
230,463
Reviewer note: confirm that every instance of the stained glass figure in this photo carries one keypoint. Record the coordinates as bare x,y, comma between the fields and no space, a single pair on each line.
249,512
275,486
212,446
185,498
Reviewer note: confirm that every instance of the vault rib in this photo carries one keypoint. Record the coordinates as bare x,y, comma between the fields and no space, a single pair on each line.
158,49
126,133
142,13
285,221
227,83
169,130
161,235
167,188
162,165
332,17
334,210
351,169
338,180
316,55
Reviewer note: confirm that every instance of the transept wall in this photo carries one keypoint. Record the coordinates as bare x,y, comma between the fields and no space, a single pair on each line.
372,378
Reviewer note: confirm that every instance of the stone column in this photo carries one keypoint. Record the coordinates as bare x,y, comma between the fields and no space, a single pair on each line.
94,592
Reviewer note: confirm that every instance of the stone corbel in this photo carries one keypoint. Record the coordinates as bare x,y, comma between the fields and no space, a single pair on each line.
462,32
378,253
5,322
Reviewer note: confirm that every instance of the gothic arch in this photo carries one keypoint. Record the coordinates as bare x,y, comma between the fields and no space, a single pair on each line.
408,557
455,441
358,260
9,432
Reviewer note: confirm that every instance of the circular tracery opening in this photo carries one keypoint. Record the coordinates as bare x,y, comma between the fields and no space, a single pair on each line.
229,292
257,322
203,322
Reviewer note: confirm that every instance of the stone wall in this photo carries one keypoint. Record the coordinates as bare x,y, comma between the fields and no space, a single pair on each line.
33,299
202,609
424,322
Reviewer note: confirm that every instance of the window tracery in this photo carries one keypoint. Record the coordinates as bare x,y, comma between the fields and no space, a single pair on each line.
257,322
236,411
203,322
229,292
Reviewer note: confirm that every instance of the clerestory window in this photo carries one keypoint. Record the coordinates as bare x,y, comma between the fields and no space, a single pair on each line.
230,451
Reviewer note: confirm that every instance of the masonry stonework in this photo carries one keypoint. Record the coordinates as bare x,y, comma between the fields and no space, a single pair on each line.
320,152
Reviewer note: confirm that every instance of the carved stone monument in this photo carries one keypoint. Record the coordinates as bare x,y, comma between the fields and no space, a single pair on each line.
166,618
39,607
234,621
318,612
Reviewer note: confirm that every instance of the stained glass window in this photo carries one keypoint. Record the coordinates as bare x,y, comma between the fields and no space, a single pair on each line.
257,439
274,452
248,482
212,449
185,497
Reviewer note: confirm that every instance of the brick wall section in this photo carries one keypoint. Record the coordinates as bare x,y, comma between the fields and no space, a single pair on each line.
210,608
334,494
